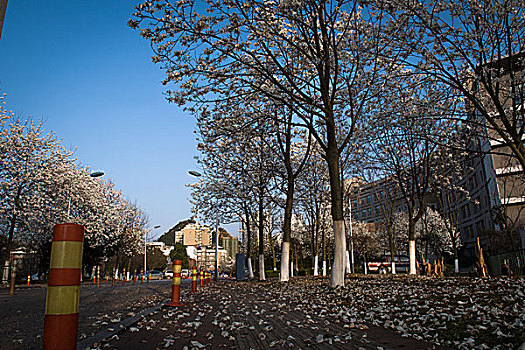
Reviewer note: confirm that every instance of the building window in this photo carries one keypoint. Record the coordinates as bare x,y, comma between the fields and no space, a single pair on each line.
355,203
368,199
356,215
363,213
369,212
378,211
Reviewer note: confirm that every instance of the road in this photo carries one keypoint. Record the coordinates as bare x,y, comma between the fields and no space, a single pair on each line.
101,308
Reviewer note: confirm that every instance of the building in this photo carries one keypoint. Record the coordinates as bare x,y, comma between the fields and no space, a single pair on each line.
193,234
206,257
165,249
230,244
491,206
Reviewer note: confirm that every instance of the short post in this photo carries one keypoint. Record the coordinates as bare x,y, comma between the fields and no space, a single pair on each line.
175,286
28,280
202,278
124,276
134,276
194,279
141,276
63,291
13,278
149,277
113,278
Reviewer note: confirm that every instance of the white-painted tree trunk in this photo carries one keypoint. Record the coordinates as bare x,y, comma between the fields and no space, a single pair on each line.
316,265
291,269
393,267
412,256
285,262
262,275
324,268
456,265
337,278
5,272
365,265
250,268
127,276
348,267
116,273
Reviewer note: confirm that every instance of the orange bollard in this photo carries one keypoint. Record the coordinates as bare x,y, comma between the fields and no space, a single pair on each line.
134,276
124,276
201,275
141,276
28,279
63,291
194,279
175,286
107,279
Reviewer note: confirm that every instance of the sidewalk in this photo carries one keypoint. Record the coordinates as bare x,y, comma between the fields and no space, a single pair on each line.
256,315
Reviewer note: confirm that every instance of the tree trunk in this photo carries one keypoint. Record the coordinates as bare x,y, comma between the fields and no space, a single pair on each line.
6,262
412,246
348,267
250,268
249,242
316,265
324,252
287,229
412,256
337,278
272,246
456,260
262,276
392,249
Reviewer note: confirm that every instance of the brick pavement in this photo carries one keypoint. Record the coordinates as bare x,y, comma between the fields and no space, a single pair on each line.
255,315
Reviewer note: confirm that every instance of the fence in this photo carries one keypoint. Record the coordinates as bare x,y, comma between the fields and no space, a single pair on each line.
515,260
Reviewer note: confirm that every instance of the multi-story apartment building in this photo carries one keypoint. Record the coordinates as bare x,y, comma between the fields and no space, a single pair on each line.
193,234
229,243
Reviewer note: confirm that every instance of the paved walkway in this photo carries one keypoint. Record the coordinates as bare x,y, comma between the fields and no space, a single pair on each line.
255,315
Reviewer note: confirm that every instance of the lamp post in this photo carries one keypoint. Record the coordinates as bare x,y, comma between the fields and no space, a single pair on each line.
94,174
216,277
145,251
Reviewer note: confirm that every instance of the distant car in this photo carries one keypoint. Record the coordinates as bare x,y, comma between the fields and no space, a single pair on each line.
168,274
383,264
185,273
155,275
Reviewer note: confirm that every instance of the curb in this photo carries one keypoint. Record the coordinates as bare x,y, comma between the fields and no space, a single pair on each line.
106,334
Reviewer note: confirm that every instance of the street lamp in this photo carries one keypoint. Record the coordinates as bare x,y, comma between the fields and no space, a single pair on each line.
145,241
94,174
197,174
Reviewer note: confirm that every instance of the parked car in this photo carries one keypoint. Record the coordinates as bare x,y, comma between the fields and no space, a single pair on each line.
168,274
185,273
383,264
155,275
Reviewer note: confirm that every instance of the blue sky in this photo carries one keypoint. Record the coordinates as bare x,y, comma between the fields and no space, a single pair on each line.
77,65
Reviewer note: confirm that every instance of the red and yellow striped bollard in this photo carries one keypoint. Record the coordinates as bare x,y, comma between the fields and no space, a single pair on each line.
63,291
194,279
201,275
28,280
175,286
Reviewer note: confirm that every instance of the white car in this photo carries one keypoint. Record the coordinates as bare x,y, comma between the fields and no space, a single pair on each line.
168,274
